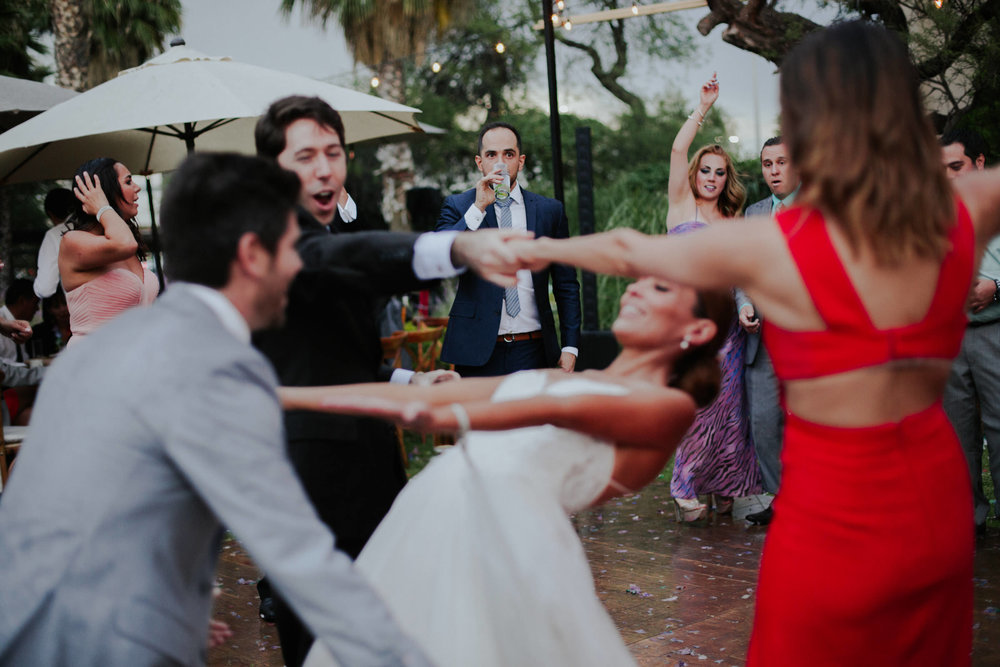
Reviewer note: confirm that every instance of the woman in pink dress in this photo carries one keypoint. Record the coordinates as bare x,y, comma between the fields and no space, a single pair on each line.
101,256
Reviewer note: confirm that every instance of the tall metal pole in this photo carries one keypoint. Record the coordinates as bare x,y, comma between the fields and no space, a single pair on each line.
550,61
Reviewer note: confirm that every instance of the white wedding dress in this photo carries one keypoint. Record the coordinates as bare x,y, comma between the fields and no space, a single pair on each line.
477,558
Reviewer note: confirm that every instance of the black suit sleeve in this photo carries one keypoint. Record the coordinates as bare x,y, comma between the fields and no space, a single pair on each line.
375,262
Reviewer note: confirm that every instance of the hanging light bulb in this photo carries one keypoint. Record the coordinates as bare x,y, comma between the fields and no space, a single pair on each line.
568,24
560,5
436,67
500,47
938,3
375,82
556,20
635,8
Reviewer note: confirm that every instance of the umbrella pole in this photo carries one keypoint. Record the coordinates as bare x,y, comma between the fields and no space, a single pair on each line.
156,235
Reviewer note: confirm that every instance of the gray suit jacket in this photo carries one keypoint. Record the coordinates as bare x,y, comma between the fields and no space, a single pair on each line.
763,207
147,437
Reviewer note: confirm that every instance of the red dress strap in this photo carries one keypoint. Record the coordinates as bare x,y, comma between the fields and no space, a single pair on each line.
825,278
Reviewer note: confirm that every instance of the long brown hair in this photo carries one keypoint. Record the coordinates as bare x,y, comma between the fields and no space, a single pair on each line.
697,371
866,153
734,195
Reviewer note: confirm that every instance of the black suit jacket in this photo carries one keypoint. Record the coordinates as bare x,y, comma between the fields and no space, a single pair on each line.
350,466
475,315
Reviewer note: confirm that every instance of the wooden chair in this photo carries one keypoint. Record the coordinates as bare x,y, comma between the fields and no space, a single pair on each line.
10,443
423,346
392,354
392,348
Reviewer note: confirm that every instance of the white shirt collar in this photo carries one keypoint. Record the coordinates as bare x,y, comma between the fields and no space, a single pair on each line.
223,308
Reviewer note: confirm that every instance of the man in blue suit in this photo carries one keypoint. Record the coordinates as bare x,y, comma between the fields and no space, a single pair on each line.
493,330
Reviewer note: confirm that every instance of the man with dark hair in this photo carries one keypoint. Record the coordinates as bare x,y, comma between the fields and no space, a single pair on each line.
110,527
20,303
972,395
350,466
766,418
494,330
59,203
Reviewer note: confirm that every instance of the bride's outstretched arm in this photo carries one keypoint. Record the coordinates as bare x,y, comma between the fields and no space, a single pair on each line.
323,398
651,418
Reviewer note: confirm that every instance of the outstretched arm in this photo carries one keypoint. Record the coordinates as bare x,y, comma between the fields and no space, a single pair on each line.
647,418
980,191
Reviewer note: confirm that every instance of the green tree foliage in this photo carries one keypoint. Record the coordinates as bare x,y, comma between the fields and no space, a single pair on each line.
126,33
22,24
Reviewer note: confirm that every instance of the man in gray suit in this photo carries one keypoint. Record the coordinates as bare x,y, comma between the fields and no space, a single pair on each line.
158,430
766,418
972,395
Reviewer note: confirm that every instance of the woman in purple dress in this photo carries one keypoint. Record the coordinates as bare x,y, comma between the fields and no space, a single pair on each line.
717,456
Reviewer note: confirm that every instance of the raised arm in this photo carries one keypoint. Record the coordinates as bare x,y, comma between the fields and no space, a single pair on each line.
980,191
83,251
679,187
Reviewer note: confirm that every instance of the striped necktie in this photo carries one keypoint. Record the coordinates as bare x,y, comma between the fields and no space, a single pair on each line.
510,297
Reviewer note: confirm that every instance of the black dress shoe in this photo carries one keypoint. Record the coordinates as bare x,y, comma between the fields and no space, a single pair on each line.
761,518
266,608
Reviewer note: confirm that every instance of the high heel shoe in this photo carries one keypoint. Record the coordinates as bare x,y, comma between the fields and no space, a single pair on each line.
723,504
691,510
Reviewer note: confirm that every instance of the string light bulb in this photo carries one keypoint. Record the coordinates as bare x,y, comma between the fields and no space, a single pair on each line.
568,24
635,8
938,3
500,47
560,5
375,82
556,21
436,67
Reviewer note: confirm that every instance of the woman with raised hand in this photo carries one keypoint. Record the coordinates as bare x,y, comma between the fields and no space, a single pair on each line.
864,282
717,456
101,257
477,558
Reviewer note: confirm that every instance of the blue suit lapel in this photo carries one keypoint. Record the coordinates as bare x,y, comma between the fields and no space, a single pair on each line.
530,211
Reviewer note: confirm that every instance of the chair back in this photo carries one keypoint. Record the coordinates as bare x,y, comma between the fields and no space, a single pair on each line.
423,346
392,348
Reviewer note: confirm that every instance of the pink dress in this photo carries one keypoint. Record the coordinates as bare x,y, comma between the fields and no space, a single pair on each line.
97,301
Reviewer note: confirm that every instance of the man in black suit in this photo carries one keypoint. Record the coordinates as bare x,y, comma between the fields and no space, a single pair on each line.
350,466
493,330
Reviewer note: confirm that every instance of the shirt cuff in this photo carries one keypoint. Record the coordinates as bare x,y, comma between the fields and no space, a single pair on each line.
474,218
432,256
348,212
572,350
401,376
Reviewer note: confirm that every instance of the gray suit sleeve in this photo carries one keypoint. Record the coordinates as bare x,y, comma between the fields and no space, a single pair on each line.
227,440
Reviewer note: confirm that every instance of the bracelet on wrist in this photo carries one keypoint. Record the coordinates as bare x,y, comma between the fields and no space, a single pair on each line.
996,292
691,117
101,211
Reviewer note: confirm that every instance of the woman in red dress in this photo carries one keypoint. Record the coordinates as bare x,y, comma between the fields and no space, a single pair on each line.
864,284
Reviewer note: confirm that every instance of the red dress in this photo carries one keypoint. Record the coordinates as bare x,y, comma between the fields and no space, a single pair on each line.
868,560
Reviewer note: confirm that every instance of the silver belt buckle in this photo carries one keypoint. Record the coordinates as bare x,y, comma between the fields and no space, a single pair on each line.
508,338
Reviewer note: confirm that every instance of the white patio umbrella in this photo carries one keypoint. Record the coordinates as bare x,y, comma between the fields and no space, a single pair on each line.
21,99
151,116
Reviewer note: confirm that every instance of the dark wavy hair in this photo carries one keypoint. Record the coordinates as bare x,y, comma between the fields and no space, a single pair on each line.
269,133
104,169
855,127
697,371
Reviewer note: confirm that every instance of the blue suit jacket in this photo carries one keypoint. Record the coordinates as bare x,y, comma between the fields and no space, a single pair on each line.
475,315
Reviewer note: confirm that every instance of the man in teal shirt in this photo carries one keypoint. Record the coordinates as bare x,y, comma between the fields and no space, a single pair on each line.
766,418
972,395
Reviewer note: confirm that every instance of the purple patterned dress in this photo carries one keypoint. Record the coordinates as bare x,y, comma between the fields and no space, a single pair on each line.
717,454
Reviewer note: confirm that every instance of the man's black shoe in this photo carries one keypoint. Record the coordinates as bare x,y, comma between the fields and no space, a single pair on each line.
266,609
761,518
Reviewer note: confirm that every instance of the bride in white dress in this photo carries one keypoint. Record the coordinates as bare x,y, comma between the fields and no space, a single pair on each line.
477,559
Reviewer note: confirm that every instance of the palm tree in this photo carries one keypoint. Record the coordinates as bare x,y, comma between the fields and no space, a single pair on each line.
383,34
94,39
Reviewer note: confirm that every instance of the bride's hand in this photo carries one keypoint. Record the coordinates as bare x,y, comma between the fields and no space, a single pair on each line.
710,91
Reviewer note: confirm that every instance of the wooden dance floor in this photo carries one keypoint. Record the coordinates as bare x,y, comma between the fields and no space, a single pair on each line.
680,595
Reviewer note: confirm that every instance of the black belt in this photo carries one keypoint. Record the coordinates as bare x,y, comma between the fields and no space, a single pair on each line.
516,337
